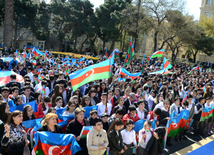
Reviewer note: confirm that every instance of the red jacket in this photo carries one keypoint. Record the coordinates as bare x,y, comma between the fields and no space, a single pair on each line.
40,110
152,116
127,117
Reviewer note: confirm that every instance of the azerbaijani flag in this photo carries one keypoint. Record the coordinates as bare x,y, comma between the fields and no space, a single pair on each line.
156,54
204,88
17,53
37,81
27,47
45,55
80,61
189,124
112,57
24,56
37,53
176,125
166,64
85,131
206,113
127,60
88,109
47,143
195,68
132,76
43,90
132,53
33,62
30,124
143,62
185,97
91,73
106,53
144,93
20,107
117,52
5,77
138,126
67,71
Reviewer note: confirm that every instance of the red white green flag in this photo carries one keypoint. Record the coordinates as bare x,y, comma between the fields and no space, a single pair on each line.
47,143
156,54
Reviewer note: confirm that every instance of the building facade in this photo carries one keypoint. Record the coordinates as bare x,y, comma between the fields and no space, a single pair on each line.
207,8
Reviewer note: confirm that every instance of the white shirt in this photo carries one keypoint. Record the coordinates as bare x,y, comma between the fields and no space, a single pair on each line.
150,102
128,137
30,76
58,108
64,95
67,113
46,111
140,114
208,105
159,105
148,137
101,108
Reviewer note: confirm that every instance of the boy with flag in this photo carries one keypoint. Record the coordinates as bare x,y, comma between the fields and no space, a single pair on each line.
97,140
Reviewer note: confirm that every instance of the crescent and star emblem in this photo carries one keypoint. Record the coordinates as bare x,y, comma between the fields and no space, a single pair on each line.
89,74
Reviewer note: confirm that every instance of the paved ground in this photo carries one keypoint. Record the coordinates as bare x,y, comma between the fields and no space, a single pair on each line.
179,146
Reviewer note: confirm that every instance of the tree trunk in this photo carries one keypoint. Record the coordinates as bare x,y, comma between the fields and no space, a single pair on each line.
124,38
15,35
194,55
83,43
103,47
60,45
8,22
112,46
155,40
48,41
75,43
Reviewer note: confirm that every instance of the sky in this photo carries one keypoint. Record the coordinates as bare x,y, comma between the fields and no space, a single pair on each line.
193,6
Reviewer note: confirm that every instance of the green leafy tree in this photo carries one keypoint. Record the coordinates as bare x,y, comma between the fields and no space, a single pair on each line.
24,16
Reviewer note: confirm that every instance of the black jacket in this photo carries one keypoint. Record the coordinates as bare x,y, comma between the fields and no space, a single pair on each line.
10,83
115,141
75,128
197,116
117,107
162,119
57,127
127,104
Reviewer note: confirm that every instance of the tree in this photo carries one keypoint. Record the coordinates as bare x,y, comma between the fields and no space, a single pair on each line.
208,25
179,31
42,28
61,10
158,11
109,17
8,22
24,16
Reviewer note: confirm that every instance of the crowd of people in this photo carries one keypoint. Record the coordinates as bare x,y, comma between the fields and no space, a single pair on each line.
121,102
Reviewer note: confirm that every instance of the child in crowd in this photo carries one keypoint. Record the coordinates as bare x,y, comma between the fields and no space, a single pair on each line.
70,109
115,137
104,118
145,135
93,115
131,115
129,137
59,102
141,111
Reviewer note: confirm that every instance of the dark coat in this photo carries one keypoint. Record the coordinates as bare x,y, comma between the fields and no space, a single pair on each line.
75,128
45,128
115,141
162,119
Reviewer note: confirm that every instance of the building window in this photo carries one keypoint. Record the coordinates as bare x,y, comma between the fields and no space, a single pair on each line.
207,14
208,1
41,45
183,56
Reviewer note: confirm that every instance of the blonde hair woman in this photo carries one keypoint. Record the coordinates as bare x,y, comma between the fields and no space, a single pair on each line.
49,123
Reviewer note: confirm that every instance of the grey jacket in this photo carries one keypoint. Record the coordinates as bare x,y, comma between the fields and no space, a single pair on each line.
96,139
192,111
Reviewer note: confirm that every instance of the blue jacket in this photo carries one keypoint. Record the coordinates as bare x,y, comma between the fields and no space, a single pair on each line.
11,62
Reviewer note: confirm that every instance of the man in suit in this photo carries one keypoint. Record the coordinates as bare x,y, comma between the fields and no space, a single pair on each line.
26,96
129,101
13,80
